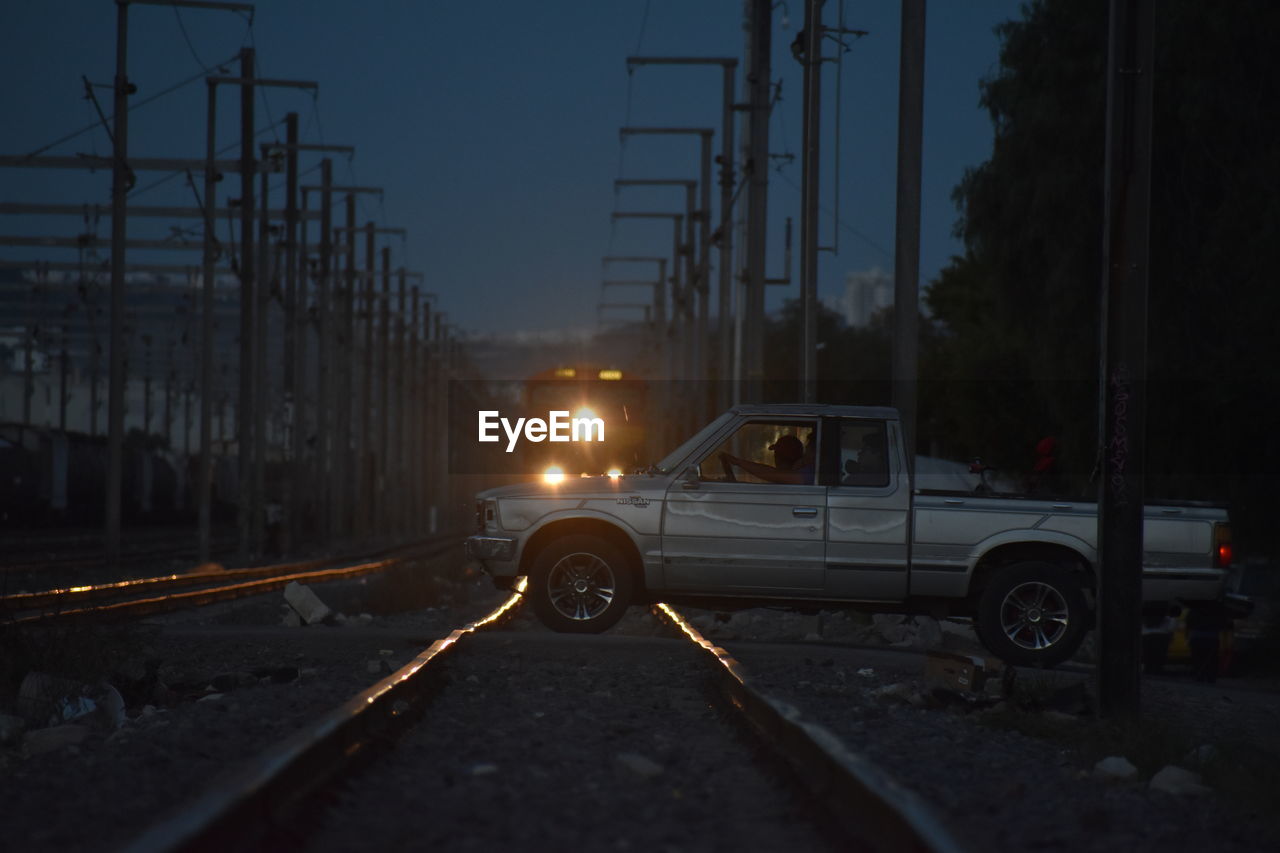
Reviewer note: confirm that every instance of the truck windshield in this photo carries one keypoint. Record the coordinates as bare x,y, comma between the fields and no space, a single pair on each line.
675,457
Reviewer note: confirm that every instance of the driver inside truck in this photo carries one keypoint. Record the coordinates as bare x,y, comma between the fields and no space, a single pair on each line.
793,463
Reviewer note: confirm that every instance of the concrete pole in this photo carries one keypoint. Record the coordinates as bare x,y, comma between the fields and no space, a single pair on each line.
389,398
248,366
369,489
411,413
906,274
439,394
120,182
706,355
204,478
395,476
1126,264
146,385
294,331
261,373
724,326
344,353
809,195
323,482
757,173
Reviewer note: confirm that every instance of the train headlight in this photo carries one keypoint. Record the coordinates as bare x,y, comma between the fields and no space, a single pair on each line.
613,473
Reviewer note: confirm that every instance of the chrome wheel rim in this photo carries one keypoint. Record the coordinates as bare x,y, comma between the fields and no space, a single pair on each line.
1034,615
581,586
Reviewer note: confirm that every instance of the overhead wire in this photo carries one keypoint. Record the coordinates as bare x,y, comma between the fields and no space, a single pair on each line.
185,37
846,226
136,192
220,66
626,122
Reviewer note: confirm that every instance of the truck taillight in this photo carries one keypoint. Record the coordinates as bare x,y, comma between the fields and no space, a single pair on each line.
1222,546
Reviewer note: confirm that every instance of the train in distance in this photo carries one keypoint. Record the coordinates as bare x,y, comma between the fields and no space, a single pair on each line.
619,399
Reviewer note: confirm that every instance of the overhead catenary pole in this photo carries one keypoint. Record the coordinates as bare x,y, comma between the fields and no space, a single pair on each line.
724,233
205,475
294,290
324,406
393,435
340,516
297,324
248,365
691,339
120,185
756,174
329,300
368,488
1122,391
906,265
262,375
809,196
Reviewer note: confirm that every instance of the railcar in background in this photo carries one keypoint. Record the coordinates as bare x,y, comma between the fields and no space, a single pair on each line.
620,400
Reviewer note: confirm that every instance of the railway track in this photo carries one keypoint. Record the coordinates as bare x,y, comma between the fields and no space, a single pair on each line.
320,790
80,551
148,596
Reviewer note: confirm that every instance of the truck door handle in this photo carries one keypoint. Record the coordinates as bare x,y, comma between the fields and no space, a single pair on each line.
804,511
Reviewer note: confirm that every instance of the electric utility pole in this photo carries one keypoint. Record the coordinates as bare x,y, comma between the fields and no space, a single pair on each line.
723,236
248,165
756,173
906,265
809,196
1124,355
121,183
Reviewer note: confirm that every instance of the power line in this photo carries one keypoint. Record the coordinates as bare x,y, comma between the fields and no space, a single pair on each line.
220,67
185,37
846,226
140,190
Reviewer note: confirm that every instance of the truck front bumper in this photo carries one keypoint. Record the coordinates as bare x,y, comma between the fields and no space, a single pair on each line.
491,548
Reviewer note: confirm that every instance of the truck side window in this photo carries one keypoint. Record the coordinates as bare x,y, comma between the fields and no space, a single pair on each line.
782,453
864,459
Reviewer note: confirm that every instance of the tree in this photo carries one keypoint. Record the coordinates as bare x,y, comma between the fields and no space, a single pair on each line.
1017,312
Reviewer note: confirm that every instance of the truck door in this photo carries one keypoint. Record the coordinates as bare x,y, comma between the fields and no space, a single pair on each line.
867,505
749,517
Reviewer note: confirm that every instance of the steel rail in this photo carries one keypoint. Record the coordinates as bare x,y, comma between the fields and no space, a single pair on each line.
94,558
878,812
228,586
243,804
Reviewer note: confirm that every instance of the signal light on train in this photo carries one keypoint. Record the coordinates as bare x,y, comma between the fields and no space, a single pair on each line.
553,476
613,473
566,373
610,374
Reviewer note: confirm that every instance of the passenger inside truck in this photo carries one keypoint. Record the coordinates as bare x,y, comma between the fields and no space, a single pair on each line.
863,461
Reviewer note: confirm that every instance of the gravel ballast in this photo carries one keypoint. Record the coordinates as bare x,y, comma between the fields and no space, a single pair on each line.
542,741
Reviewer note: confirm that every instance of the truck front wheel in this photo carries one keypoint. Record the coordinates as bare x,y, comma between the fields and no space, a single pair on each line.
580,584
1032,614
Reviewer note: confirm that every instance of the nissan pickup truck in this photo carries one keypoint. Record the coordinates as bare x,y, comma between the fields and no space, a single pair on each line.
727,521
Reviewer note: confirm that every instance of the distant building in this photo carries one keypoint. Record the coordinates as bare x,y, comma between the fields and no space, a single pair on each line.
865,293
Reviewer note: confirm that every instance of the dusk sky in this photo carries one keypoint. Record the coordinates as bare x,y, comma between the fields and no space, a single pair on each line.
494,127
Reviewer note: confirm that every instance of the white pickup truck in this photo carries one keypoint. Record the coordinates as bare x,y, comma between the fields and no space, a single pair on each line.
735,518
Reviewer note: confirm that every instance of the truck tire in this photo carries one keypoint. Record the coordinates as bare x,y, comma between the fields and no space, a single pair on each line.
1032,614
580,584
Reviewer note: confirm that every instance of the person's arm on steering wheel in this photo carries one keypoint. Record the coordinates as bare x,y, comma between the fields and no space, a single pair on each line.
765,472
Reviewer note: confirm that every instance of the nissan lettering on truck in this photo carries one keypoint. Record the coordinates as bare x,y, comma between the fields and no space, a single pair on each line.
813,507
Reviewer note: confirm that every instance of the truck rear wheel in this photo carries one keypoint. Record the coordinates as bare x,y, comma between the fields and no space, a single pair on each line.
1032,614
580,584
